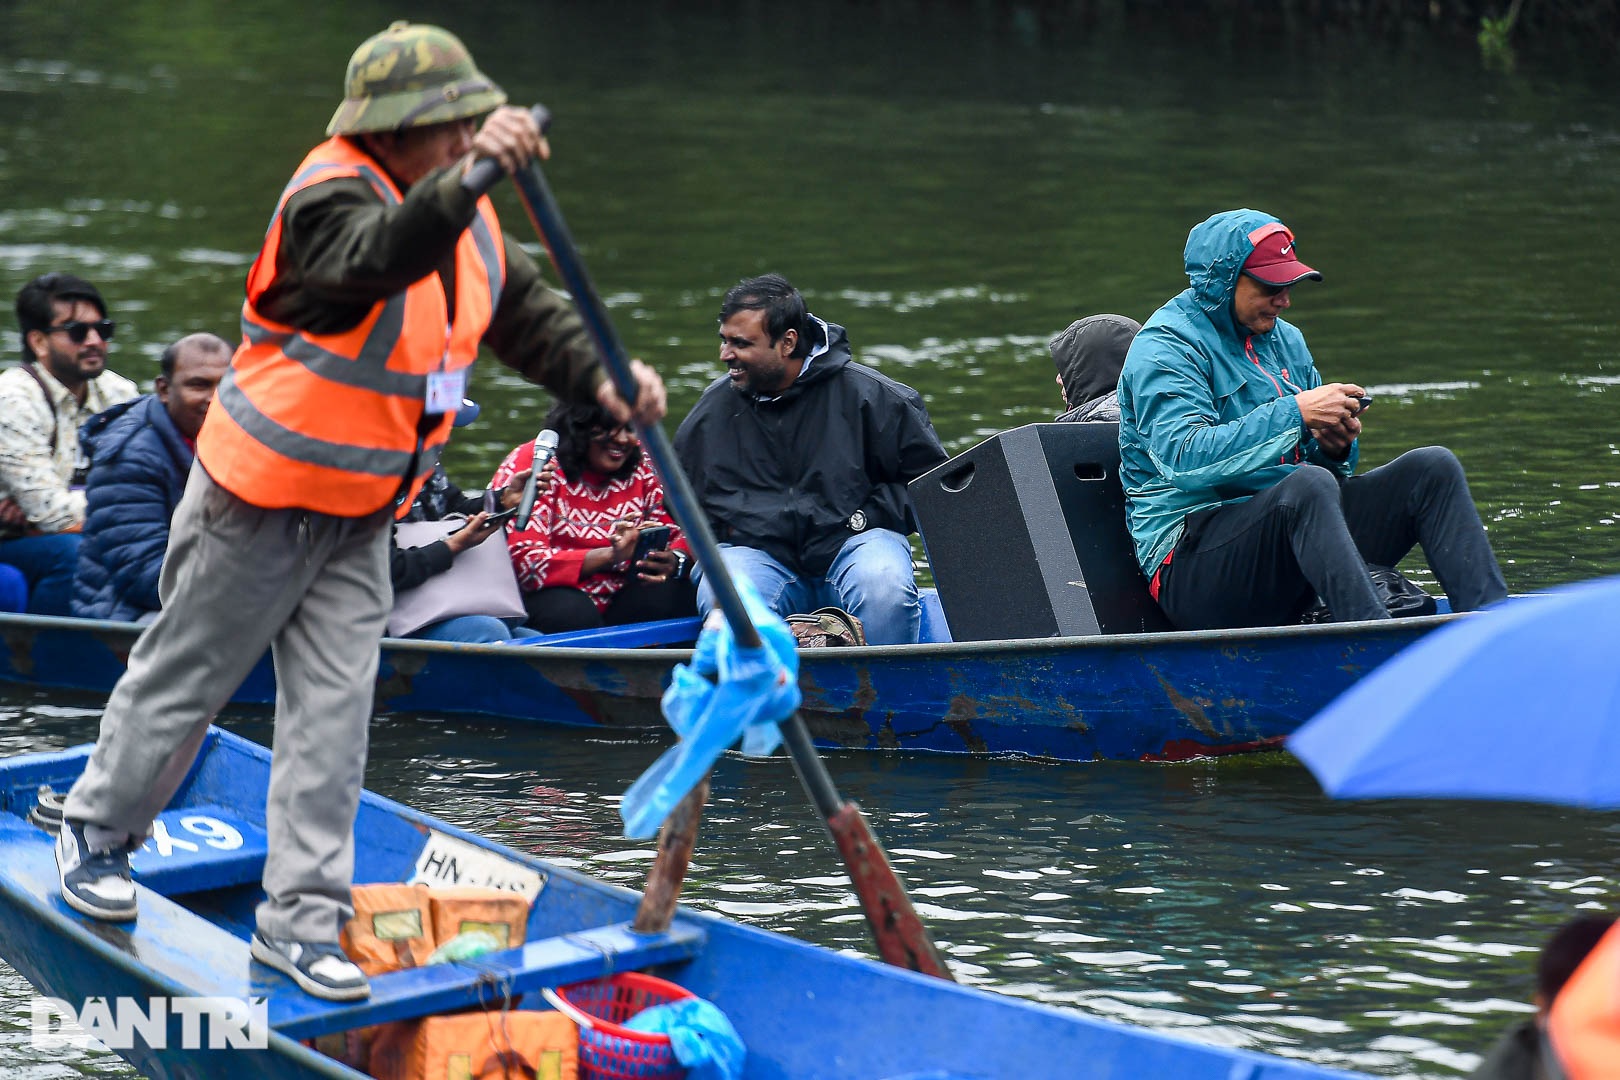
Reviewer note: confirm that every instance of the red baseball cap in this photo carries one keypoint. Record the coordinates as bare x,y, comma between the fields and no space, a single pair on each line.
1274,261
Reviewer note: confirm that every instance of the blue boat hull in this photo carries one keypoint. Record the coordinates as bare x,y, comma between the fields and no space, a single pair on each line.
802,1011
1148,697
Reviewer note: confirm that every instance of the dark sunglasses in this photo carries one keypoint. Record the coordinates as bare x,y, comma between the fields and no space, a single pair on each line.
78,331
603,435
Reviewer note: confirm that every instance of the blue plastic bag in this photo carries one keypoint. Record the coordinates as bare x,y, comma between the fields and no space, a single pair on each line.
704,1041
725,693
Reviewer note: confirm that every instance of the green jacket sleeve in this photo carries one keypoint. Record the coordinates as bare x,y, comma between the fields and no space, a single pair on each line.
343,250
537,333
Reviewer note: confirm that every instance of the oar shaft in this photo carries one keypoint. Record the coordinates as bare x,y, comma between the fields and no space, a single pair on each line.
817,782
678,495
901,937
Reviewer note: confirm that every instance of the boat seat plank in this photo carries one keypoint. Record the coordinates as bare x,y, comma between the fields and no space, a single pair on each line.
628,636
552,961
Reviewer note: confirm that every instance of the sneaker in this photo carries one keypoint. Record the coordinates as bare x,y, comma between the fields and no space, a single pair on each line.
94,883
319,967
47,811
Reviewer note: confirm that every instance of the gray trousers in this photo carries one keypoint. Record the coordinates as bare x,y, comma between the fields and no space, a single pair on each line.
237,579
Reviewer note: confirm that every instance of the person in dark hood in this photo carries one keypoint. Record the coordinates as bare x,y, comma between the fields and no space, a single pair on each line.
1238,461
800,458
1089,356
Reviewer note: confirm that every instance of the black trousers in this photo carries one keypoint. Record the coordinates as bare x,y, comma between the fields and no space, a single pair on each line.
1262,562
560,609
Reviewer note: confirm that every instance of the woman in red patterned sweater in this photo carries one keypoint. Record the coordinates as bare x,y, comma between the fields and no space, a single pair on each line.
572,557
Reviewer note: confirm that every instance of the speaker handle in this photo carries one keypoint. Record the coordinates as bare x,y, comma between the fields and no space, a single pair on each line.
957,479
1091,470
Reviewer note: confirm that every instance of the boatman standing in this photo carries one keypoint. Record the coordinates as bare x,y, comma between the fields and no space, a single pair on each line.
380,276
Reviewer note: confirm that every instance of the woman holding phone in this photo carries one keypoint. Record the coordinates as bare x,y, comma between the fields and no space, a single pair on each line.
599,549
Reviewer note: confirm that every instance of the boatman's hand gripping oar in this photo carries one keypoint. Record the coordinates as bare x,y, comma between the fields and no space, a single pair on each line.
753,668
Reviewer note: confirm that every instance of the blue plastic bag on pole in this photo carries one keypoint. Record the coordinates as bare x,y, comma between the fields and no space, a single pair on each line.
727,692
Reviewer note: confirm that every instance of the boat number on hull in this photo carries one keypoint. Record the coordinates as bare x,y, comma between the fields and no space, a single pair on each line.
449,860
211,831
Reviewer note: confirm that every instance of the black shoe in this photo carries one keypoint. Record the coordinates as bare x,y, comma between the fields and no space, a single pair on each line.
319,967
94,883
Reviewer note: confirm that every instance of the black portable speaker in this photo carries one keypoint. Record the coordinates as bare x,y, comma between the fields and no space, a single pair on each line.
1026,537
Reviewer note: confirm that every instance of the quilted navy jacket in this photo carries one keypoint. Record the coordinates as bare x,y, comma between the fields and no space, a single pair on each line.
138,467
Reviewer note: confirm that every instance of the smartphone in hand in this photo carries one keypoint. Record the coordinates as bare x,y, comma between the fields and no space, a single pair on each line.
652,538
492,507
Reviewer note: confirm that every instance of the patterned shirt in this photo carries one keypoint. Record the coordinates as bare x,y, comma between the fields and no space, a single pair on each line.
30,471
576,517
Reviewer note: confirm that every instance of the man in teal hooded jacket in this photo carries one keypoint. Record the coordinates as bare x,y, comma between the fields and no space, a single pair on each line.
1239,462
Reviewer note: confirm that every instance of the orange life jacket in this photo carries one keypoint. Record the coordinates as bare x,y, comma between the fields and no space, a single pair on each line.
1584,1024
334,422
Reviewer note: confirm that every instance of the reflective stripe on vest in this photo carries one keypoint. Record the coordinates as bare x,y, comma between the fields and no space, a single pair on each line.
330,422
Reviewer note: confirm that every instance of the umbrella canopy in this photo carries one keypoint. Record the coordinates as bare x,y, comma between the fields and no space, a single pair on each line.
1521,701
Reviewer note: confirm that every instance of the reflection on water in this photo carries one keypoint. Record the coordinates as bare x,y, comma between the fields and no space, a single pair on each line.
955,196
1228,902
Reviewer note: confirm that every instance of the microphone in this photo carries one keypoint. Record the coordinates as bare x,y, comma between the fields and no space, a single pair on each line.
545,448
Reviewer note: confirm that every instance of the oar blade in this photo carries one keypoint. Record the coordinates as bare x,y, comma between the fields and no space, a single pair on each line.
902,940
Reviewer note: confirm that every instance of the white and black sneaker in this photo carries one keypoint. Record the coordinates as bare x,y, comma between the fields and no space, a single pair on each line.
319,967
94,882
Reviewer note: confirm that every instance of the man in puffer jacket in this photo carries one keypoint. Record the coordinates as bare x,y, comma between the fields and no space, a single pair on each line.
1238,461
140,453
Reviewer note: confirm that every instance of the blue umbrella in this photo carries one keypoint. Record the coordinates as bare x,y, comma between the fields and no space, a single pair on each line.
1521,701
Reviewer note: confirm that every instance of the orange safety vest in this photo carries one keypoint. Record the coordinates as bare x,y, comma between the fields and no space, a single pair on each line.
1584,1024
332,422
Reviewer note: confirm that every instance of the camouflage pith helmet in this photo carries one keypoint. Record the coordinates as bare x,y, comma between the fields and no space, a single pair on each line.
411,75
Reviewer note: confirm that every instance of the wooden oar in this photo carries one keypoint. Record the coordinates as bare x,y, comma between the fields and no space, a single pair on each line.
901,938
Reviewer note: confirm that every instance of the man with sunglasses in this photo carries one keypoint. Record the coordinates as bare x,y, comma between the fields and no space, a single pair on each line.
1238,461
380,277
62,381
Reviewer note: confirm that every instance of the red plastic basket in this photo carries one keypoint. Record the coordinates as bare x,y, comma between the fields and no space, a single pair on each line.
607,1049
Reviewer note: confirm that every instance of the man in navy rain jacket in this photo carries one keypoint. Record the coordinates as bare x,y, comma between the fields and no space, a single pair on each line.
141,452
1239,462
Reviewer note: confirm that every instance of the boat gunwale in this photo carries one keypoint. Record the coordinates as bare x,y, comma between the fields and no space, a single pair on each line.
813,657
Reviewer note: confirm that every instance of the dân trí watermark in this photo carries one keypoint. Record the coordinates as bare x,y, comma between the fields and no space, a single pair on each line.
162,1023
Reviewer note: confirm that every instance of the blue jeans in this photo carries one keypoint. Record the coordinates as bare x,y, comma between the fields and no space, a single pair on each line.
871,578
13,588
48,563
473,629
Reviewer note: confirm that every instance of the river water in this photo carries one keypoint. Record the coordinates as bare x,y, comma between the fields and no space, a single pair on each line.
955,187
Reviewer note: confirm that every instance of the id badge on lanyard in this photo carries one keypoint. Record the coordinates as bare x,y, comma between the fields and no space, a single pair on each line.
445,389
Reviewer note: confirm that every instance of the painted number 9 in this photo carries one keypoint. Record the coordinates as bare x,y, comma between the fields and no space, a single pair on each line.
212,831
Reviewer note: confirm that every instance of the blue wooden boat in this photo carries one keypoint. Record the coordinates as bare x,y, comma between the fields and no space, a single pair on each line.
802,1011
1151,697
